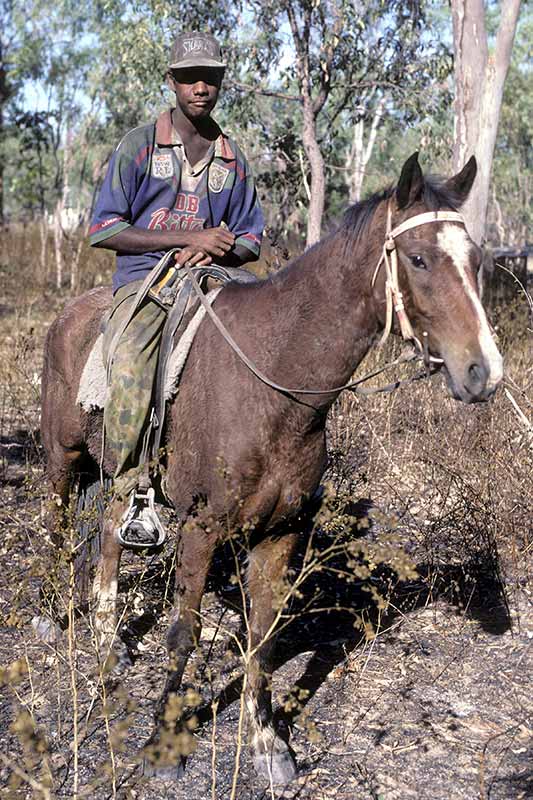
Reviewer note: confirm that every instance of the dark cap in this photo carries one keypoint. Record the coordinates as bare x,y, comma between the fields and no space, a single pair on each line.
196,50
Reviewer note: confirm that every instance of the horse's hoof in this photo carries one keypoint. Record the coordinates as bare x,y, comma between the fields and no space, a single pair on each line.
277,767
46,629
124,659
115,662
174,772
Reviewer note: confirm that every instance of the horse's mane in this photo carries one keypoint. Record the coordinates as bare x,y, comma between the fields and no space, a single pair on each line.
357,219
436,194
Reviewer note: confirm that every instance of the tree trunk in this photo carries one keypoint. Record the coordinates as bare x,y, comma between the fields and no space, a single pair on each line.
359,153
312,106
479,81
58,242
78,238
61,206
318,177
43,231
1,173
4,97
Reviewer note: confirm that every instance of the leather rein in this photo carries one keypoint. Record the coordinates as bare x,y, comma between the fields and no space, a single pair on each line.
394,300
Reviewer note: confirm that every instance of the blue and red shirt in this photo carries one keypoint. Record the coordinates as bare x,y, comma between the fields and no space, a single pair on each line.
150,184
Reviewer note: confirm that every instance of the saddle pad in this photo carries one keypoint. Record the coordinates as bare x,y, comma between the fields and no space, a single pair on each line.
93,383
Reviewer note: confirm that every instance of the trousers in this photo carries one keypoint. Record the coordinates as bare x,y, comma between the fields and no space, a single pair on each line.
131,382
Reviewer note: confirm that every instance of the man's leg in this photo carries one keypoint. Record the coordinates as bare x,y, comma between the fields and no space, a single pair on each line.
131,386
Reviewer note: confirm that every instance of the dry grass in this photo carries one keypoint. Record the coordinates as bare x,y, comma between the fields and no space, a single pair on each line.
426,697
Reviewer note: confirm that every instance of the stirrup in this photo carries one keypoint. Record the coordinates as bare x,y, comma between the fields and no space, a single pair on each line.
141,528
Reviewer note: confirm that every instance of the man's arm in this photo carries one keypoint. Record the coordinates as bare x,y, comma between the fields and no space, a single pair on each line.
244,216
213,242
203,246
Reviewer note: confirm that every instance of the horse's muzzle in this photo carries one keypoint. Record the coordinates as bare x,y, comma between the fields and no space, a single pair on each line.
475,382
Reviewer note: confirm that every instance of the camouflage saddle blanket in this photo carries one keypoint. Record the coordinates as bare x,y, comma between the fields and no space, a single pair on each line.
93,383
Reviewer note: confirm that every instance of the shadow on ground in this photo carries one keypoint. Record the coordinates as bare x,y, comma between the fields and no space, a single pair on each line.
474,588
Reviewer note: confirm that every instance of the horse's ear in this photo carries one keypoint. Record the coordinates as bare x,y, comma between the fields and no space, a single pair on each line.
411,182
461,183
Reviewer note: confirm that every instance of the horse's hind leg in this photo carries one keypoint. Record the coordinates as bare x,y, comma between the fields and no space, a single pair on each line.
267,569
194,553
61,468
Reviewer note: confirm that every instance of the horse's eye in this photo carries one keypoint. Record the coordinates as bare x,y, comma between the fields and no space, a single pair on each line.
418,262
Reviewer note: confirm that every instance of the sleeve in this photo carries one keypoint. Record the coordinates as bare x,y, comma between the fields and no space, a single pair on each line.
113,208
245,217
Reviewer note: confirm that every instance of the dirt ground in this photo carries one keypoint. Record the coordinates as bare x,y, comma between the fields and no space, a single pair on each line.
437,705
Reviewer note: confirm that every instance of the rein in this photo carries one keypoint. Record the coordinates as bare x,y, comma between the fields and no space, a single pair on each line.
394,301
352,385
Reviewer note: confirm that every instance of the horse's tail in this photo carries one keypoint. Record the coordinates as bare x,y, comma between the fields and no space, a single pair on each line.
88,522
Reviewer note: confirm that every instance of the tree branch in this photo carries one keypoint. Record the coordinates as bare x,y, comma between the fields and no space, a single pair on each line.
505,35
246,87
325,67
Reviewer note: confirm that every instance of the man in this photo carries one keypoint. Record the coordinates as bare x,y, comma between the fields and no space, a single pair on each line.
178,182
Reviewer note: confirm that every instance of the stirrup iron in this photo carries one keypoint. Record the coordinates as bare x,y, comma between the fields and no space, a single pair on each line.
141,520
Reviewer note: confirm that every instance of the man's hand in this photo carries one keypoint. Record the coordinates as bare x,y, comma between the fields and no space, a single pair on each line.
204,245
194,257
215,242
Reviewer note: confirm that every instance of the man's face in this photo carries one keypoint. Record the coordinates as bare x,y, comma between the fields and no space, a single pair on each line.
196,90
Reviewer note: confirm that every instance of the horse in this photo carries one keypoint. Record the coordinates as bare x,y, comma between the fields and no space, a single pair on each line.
308,325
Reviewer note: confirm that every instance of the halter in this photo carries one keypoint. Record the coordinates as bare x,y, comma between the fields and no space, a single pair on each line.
393,295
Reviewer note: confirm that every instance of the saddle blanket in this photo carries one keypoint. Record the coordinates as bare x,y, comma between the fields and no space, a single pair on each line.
93,383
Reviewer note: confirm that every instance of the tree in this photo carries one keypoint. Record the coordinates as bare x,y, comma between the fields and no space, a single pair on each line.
479,80
21,47
338,59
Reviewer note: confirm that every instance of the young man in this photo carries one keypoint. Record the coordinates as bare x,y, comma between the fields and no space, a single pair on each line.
178,182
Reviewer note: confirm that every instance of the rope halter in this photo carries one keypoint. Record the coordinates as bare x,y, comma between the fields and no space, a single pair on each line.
393,295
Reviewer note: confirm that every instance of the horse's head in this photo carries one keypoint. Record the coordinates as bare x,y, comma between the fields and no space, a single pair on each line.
436,264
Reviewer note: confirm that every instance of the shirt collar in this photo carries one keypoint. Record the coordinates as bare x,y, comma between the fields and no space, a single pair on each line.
166,136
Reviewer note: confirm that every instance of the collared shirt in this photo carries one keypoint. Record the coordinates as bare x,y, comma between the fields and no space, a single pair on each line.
151,184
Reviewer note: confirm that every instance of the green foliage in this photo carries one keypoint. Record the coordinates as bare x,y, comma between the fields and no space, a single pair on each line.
87,73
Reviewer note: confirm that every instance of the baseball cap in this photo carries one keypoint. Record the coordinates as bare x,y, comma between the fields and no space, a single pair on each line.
196,50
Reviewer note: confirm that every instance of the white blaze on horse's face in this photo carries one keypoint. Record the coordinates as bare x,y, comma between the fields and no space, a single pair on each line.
485,368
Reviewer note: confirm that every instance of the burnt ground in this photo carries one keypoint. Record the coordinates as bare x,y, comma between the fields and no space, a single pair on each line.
435,703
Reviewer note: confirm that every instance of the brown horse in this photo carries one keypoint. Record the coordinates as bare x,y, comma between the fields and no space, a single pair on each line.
308,325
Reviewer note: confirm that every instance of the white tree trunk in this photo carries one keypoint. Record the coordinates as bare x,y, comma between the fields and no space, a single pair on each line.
59,237
78,239
479,81
301,33
359,153
43,232
61,205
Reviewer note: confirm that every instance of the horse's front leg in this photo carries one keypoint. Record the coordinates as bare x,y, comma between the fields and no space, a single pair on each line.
172,740
105,586
267,570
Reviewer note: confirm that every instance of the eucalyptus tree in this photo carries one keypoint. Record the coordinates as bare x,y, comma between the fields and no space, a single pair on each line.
480,70
21,49
337,64
510,213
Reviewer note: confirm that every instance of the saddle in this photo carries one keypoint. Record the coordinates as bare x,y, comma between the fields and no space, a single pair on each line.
172,290
175,294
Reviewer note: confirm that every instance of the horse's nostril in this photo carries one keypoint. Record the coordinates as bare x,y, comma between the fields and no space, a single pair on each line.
477,374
